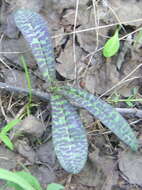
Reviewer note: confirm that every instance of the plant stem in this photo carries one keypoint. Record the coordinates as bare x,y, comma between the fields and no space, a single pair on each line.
10,88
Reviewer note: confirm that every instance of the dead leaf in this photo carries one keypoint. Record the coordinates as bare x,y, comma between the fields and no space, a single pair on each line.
99,172
25,150
66,66
44,174
130,164
31,125
45,153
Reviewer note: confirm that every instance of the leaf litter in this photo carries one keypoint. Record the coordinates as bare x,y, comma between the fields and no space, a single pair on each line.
108,77
130,165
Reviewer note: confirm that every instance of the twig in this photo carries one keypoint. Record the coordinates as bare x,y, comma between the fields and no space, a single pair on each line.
46,97
74,35
122,81
98,27
134,111
10,88
124,50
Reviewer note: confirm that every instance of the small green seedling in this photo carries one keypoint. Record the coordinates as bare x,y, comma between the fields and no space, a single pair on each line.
130,101
111,47
24,181
22,60
4,136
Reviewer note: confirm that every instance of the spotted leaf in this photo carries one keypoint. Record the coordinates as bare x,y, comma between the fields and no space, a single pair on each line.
69,136
103,111
34,29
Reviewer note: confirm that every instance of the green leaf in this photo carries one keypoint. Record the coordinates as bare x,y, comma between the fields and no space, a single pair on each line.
54,186
103,111
14,186
3,134
35,30
111,47
129,103
29,178
69,136
10,125
6,140
13,177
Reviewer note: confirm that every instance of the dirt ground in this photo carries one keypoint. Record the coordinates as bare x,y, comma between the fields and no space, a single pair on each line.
79,30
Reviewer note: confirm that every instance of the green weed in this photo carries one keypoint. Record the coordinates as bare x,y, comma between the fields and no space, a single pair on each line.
24,181
111,47
130,101
4,136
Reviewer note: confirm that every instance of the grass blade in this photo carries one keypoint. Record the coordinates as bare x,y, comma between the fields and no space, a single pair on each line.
22,60
9,126
55,186
3,134
13,177
6,140
29,178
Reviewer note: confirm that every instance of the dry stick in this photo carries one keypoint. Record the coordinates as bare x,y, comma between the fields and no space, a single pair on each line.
79,31
137,30
2,109
9,52
121,81
96,23
74,35
133,111
122,38
10,88
46,97
121,56
96,19
97,36
99,27
116,16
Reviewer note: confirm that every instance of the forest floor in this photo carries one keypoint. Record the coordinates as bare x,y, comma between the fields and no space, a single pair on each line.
79,30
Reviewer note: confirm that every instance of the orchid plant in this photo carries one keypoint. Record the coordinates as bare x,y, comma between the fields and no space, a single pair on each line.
68,133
